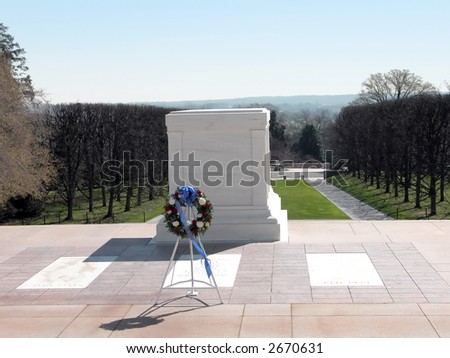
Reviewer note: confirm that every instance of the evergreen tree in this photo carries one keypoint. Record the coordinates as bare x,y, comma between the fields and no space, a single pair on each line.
308,144
277,127
15,55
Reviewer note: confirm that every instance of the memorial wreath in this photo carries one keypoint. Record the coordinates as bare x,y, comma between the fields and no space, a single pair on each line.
198,221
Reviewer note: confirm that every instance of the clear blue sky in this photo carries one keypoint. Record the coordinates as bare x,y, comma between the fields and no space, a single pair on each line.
136,50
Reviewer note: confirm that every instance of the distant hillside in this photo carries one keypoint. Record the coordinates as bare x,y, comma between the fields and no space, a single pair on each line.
284,103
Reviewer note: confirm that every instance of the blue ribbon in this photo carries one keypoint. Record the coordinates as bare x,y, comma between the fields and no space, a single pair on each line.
189,195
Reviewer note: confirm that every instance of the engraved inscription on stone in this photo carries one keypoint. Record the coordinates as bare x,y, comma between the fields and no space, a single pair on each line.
343,269
69,272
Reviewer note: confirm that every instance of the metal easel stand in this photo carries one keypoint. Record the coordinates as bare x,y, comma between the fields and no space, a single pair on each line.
192,292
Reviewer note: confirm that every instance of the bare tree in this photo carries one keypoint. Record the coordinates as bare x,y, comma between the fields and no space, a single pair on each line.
91,152
67,130
393,85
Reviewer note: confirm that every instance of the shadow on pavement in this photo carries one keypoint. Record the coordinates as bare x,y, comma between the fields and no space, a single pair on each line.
150,317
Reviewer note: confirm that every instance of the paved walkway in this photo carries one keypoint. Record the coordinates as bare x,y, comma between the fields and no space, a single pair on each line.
354,208
271,295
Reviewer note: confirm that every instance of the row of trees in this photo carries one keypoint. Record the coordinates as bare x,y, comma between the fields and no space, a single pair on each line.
112,147
397,143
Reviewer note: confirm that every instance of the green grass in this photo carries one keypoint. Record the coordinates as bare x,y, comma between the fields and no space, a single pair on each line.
298,198
303,202
56,211
393,206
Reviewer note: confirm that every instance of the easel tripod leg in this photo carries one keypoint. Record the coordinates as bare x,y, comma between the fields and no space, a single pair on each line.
168,269
192,292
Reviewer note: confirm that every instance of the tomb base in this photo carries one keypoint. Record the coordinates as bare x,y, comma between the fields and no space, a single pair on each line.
240,224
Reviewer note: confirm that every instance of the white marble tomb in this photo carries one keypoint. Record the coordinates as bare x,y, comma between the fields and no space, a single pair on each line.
231,151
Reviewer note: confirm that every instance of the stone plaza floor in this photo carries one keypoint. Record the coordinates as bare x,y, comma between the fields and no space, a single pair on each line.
120,271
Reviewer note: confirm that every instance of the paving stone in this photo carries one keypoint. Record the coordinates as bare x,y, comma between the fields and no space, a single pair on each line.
442,325
362,326
266,326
